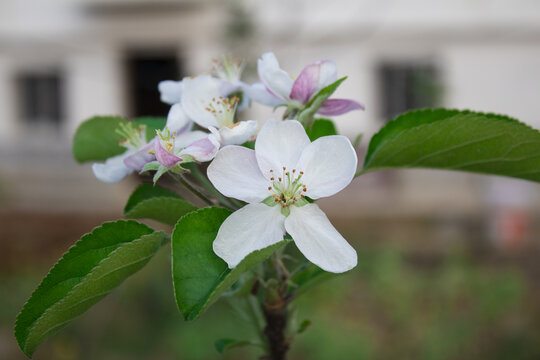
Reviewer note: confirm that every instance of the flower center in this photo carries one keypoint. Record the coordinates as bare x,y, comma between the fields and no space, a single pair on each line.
228,68
167,139
288,189
133,138
223,109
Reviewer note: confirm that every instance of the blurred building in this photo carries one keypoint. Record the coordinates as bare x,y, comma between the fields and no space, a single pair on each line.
64,61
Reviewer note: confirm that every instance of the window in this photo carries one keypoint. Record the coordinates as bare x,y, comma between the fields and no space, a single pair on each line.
145,70
406,86
40,97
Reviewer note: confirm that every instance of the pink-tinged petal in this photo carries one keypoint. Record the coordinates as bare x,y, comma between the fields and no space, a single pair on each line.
204,149
141,157
187,138
278,82
306,84
339,106
258,92
312,79
164,157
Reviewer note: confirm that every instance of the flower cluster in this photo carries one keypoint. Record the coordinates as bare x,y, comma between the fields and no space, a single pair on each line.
279,180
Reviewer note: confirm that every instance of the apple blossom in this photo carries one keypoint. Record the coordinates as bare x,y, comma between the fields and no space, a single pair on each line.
203,103
275,179
172,148
278,88
139,151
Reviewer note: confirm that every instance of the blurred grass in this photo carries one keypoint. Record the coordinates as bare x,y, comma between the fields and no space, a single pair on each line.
389,307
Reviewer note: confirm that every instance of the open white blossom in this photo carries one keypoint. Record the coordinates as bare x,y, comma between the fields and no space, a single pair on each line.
275,179
204,103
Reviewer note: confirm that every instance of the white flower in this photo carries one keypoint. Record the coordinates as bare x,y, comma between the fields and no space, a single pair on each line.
274,179
204,103
277,87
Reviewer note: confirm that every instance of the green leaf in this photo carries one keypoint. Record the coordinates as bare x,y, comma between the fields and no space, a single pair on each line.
152,124
457,140
157,203
303,326
199,275
311,108
223,345
92,268
96,139
321,127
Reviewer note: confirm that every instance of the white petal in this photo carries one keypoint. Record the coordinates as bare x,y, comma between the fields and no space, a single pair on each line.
198,93
234,172
318,240
280,143
177,119
253,227
277,80
204,149
329,164
187,138
327,73
259,93
239,133
113,170
170,91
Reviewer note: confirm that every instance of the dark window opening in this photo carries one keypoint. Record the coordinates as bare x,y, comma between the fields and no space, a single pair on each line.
40,97
145,71
408,86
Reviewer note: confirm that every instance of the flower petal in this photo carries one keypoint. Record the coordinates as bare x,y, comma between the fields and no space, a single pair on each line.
258,92
203,149
234,172
276,80
329,164
280,143
306,84
170,91
239,133
339,106
137,159
187,138
164,157
197,95
177,119
253,227
312,79
318,240
327,73
113,170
